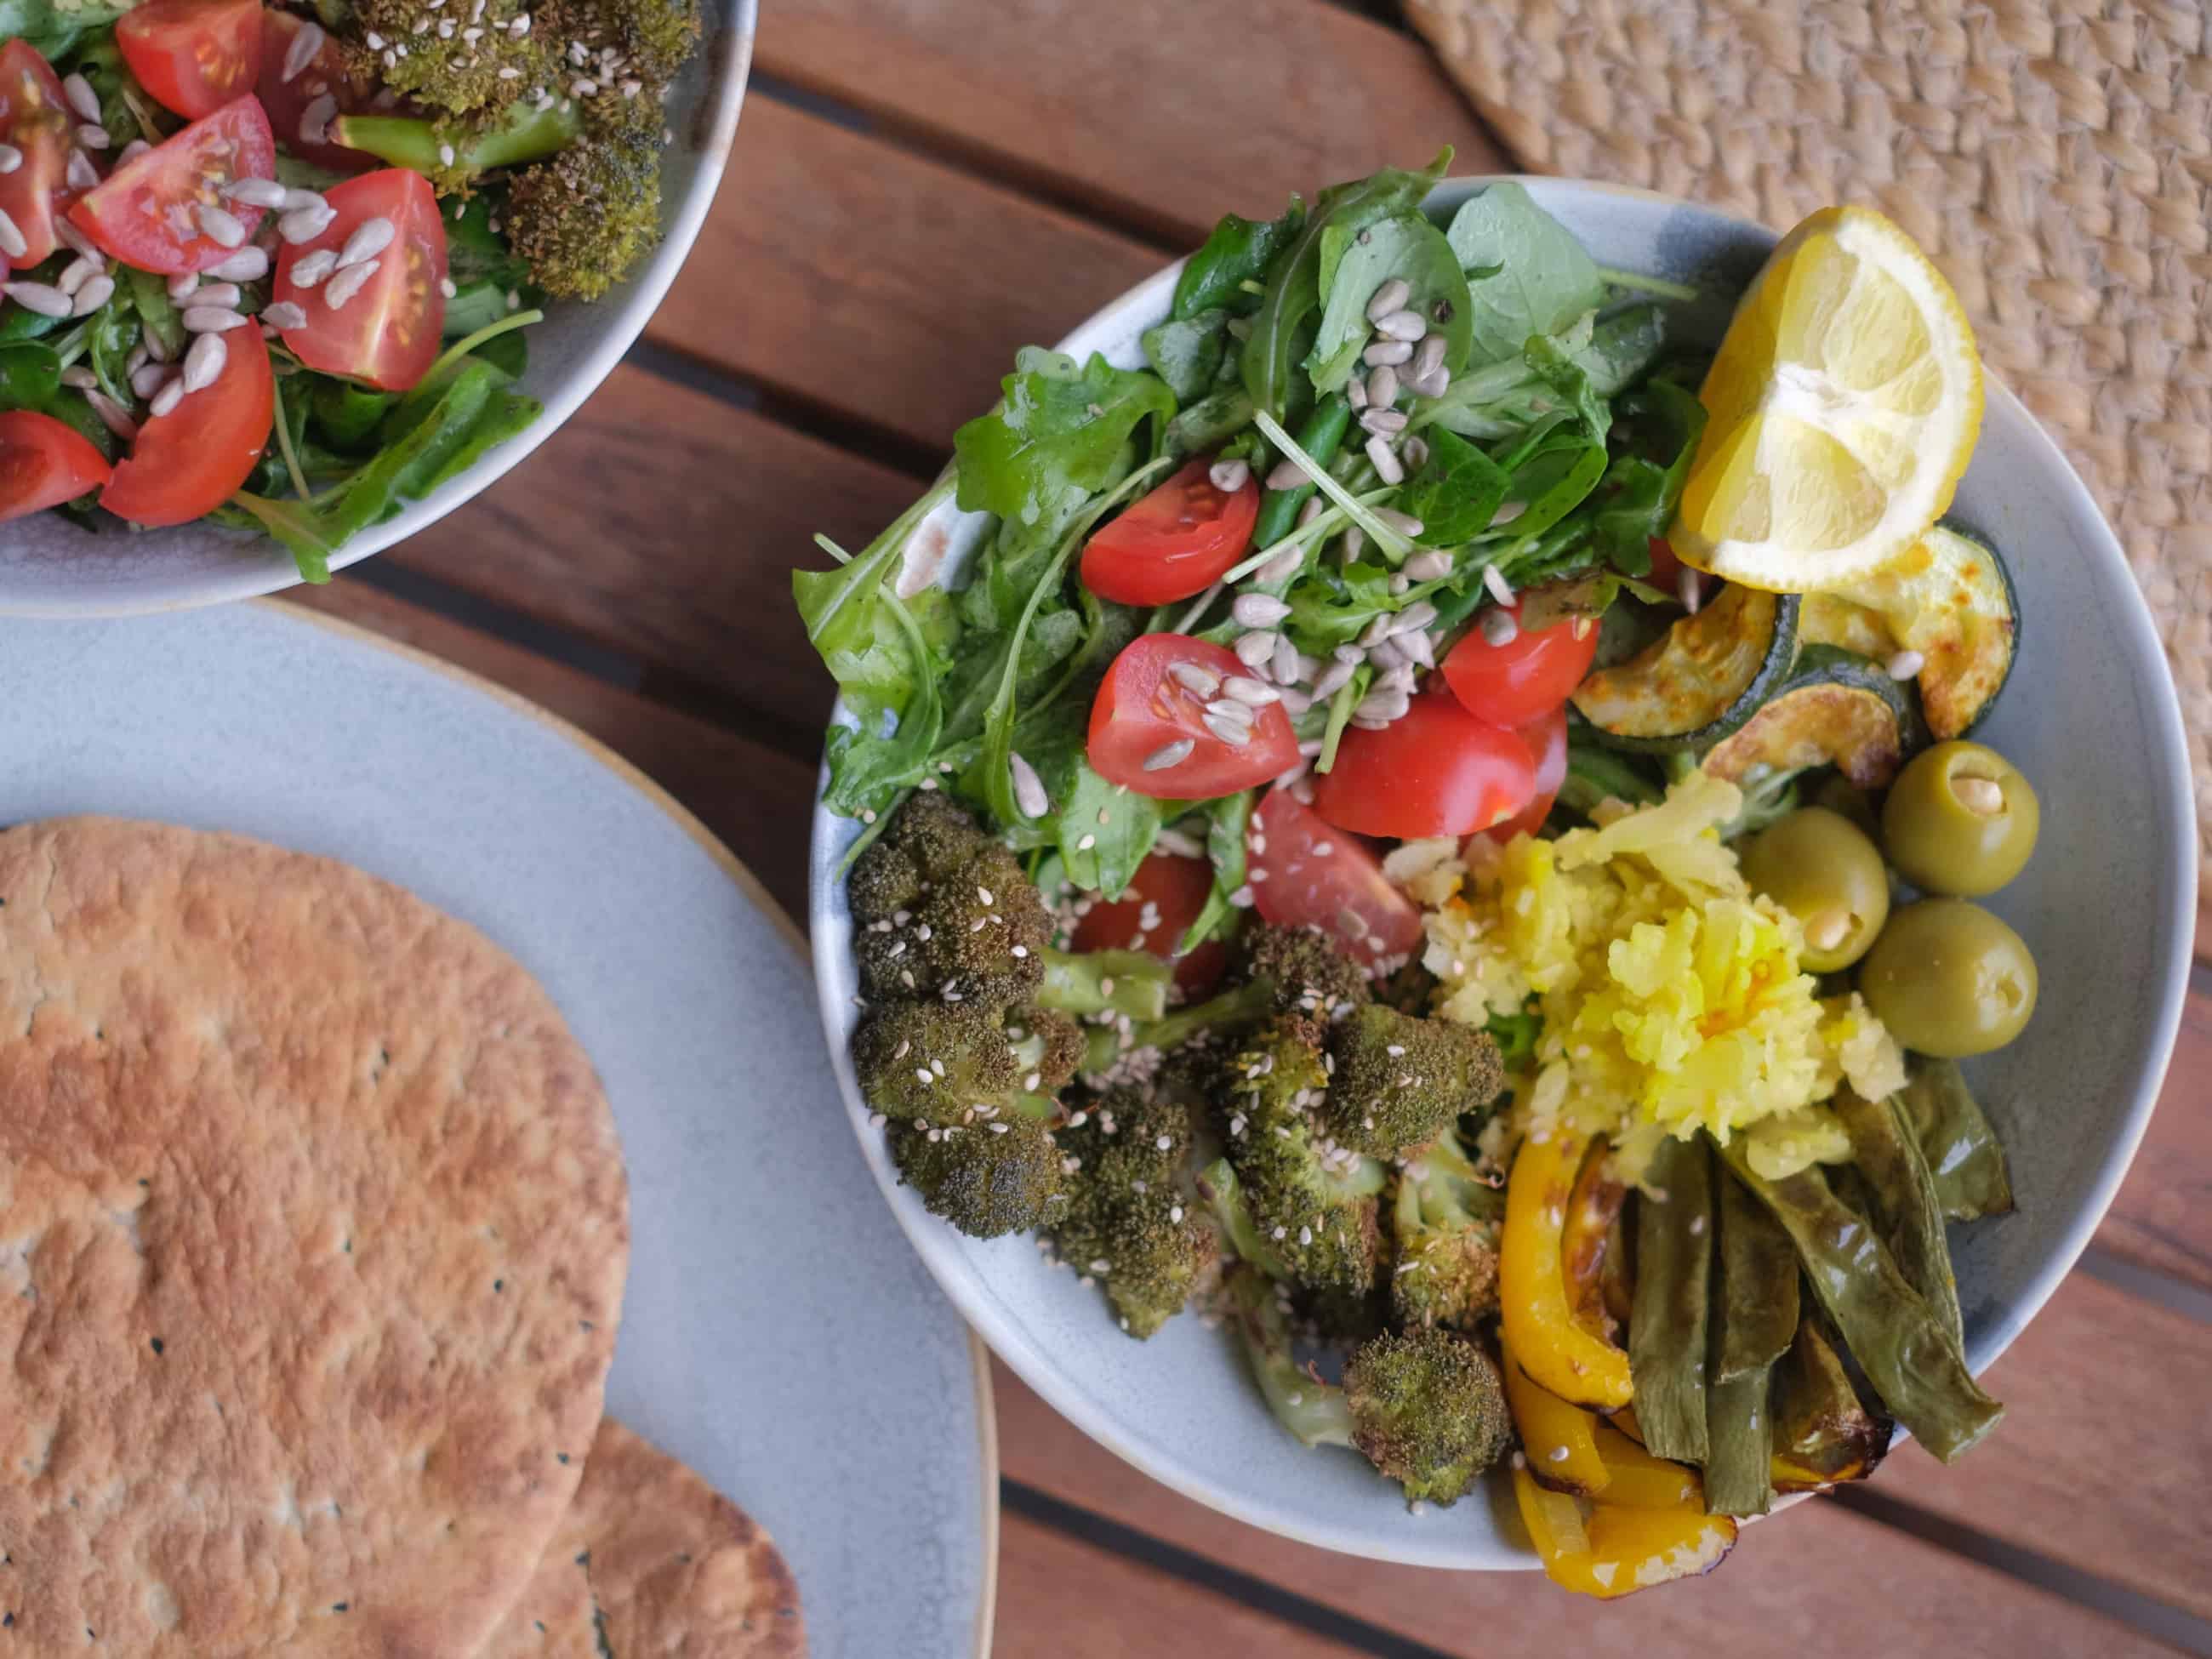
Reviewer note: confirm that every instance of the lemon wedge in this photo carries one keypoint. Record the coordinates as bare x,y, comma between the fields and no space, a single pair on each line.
1843,407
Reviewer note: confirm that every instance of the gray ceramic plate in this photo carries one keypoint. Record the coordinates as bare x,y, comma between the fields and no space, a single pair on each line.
49,567
2107,905
778,1335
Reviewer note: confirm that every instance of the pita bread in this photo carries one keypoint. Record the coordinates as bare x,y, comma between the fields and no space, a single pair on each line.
313,1229
652,1563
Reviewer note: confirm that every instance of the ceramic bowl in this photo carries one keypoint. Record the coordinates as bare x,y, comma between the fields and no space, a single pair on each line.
49,567
2107,905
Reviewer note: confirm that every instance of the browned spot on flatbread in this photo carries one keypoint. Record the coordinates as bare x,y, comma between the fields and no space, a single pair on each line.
312,1235
655,1563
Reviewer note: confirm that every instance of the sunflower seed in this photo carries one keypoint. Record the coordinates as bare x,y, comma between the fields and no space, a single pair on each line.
204,361
1313,509
1494,582
1905,664
370,238
1686,587
1390,422
1254,649
1258,610
138,359
1386,354
1388,298
131,151
1401,585
183,286
1170,754
1235,733
1284,566
1029,789
1384,656
80,379
1332,680
225,294
305,224
1354,544
1287,475
256,192
1414,453
80,174
1354,654
1192,678
155,351
1287,667
1355,393
150,379
1416,647
1383,387
1231,709
303,51
1404,523
13,243
285,314
1400,678
311,269
1376,631
1228,477
1428,566
315,120
248,264
93,296
92,137
46,300
1430,359
1257,693
348,282
1383,705
211,320
220,225
1386,464
1366,725
1499,627
113,415
1408,325
82,98
1295,702
10,158
169,396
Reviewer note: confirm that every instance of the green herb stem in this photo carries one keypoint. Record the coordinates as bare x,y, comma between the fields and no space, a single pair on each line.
1395,545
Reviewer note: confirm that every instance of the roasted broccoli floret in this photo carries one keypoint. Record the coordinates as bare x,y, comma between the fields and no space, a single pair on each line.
587,217
1444,1221
627,40
1400,1081
1303,968
454,153
1427,1408
1129,1221
466,58
987,1178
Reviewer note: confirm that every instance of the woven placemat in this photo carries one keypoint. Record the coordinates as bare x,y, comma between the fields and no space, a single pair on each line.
2054,157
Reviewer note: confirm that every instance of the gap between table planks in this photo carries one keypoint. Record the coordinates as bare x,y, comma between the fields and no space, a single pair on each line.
2098,1384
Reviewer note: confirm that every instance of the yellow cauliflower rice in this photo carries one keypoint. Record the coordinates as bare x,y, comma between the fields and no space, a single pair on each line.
1671,994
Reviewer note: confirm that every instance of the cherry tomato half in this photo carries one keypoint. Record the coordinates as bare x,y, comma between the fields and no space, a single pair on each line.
194,56
1306,874
1547,739
1666,567
1531,673
1163,899
288,102
1143,713
1436,771
42,463
1174,542
36,120
185,463
147,213
388,331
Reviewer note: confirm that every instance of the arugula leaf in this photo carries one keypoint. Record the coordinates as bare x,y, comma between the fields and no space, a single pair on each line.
1553,484
1105,832
1544,281
157,313
1226,822
1239,252
347,414
1058,435
1354,263
863,774
1571,385
112,333
1294,284
844,612
1456,493
1188,352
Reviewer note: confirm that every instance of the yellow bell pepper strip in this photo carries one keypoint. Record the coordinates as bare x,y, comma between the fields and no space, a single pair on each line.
1538,1323
1668,1327
1559,1440
1615,1552
1635,1480
1592,1208
1624,1421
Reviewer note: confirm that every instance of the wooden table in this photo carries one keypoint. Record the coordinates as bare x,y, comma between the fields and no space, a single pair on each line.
919,187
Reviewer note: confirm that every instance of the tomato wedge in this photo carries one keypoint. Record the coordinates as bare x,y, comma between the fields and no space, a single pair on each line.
288,103
42,463
1306,874
1175,541
187,462
1163,899
1436,771
1531,673
1545,738
386,331
35,120
1150,731
147,214
194,56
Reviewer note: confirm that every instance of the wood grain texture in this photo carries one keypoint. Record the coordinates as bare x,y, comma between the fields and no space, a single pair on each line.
1817,1581
2162,1216
849,273
1163,114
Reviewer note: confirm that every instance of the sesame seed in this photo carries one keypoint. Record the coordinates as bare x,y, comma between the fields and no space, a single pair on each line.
11,159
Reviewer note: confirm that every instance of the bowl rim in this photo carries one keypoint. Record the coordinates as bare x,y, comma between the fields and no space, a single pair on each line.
729,56
1009,1339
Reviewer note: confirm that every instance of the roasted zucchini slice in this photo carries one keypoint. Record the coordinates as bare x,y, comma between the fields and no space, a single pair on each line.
1702,681
1951,601
1835,708
1830,619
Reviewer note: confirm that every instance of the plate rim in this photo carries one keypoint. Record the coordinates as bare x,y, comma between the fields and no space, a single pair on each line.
628,772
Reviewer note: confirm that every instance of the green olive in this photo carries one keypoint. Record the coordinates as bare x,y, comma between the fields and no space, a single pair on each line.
1949,979
1820,867
1960,820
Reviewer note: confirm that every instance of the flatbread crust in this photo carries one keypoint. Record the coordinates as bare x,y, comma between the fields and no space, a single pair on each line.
313,1229
653,1564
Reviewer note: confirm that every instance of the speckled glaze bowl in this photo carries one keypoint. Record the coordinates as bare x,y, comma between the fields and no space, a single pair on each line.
49,567
2107,905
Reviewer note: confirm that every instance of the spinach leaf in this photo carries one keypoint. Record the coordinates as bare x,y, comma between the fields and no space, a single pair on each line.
1545,278
1551,485
157,313
1456,493
1355,261
1105,832
1188,352
847,622
1057,438
1226,821
1239,252
30,377
1641,493
53,29
1294,284
1571,385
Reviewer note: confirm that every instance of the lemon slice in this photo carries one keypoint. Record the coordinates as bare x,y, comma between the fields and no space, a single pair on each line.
1843,408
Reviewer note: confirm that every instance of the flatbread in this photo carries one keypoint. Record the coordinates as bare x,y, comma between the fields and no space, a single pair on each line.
313,1229
653,1564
